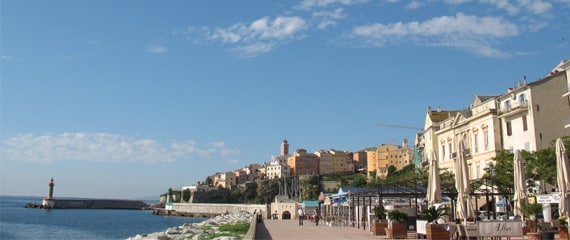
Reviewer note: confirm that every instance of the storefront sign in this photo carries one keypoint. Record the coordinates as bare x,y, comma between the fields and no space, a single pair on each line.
499,229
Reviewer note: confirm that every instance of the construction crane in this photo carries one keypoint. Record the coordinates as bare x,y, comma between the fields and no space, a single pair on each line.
398,126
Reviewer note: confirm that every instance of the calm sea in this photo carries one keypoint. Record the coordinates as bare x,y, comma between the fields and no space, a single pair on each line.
17,222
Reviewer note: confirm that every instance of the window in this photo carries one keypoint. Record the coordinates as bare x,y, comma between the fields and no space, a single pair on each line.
522,99
508,105
525,126
486,139
509,128
442,152
476,142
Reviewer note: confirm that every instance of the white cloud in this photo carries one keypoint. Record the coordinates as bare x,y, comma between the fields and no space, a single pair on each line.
414,5
101,147
5,58
532,6
260,36
470,32
308,4
457,1
157,49
328,18
536,6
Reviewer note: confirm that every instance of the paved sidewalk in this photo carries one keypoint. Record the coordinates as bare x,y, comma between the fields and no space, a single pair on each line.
290,229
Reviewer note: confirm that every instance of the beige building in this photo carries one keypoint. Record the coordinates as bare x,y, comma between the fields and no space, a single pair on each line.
225,180
528,117
303,163
477,128
534,114
334,162
393,155
371,163
284,208
359,159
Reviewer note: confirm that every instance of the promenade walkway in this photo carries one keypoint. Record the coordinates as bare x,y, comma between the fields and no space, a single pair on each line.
290,229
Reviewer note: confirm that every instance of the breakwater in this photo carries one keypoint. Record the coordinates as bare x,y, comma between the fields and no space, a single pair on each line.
207,210
94,204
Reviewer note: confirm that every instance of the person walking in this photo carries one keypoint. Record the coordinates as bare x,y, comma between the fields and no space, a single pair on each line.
301,216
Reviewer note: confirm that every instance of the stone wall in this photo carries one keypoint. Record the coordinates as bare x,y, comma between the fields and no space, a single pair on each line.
99,204
210,209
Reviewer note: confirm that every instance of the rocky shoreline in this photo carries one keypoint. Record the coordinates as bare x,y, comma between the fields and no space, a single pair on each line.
196,231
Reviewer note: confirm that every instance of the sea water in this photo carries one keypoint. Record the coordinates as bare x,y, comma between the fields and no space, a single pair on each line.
17,222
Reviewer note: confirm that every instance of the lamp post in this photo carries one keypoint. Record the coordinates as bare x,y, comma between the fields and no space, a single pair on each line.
490,174
491,167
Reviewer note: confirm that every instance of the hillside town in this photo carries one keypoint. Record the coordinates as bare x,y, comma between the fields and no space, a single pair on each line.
472,151
529,116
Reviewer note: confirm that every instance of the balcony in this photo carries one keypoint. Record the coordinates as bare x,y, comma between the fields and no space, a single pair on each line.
514,108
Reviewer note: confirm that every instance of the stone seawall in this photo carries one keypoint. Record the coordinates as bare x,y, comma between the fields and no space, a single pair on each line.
99,204
213,209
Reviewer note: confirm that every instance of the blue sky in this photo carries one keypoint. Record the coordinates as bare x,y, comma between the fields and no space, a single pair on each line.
123,99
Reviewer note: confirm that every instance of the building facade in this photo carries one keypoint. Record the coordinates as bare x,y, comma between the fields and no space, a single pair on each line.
393,155
303,163
333,162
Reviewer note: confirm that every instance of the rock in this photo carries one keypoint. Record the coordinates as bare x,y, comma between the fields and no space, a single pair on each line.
196,230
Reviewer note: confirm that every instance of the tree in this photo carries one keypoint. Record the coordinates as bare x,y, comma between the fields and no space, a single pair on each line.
391,171
267,190
208,181
311,187
185,195
359,181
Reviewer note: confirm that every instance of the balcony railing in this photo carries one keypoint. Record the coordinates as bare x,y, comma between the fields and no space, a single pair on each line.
514,107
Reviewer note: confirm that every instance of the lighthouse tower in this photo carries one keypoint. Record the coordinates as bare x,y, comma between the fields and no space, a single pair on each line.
49,202
168,205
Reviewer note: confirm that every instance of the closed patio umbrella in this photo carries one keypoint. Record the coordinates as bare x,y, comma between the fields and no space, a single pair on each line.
434,188
519,182
464,208
563,178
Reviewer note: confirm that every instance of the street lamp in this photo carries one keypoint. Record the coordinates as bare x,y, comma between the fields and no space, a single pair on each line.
492,169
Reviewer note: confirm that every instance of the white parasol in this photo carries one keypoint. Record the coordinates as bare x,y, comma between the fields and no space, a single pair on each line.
563,177
519,182
434,188
464,208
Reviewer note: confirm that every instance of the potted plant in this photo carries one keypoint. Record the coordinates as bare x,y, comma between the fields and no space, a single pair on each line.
532,210
380,225
563,229
398,226
435,229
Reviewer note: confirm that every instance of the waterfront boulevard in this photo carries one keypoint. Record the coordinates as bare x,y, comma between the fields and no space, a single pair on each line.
290,229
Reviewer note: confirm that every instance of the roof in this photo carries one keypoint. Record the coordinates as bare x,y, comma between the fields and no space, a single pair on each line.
311,203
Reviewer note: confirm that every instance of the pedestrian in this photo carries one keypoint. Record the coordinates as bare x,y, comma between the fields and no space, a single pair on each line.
301,216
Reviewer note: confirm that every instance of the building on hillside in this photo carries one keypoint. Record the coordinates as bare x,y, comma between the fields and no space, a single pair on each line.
393,155
333,162
284,148
359,159
534,114
225,180
371,163
303,163
278,168
242,175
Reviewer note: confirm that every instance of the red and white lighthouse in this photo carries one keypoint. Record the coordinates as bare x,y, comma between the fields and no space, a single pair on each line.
49,202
